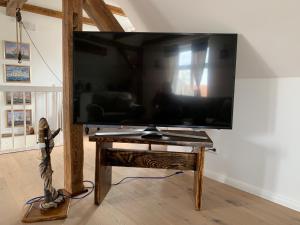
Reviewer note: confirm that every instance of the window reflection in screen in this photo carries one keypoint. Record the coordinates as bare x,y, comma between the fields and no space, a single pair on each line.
185,79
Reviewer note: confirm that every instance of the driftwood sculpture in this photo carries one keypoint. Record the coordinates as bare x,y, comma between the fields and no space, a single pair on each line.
52,197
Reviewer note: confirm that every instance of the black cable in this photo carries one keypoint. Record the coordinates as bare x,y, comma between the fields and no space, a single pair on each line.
33,200
40,54
85,195
18,15
39,198
138,177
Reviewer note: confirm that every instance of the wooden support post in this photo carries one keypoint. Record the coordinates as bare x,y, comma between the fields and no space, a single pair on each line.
198,178
102,16
73,134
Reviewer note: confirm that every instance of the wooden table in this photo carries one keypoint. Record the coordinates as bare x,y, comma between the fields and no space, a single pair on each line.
106,157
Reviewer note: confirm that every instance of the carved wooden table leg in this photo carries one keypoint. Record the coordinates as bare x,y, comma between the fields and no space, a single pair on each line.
198,178
103,173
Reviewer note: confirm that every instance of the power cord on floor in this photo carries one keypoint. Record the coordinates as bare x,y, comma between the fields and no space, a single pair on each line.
139,177
40,198
92,187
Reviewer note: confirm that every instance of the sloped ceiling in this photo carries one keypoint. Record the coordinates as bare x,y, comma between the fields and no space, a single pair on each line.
269,30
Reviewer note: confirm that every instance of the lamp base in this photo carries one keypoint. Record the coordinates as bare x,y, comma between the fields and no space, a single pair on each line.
35,214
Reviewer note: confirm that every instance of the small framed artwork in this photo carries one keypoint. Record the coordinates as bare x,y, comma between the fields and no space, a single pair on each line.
18,116
10,50
18,98
17,73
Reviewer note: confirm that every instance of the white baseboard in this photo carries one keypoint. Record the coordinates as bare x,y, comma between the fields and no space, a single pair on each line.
273,197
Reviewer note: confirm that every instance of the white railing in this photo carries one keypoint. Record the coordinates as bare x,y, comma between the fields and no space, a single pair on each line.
19,132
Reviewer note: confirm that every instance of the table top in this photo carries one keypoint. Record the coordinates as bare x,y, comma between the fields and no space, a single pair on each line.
166,140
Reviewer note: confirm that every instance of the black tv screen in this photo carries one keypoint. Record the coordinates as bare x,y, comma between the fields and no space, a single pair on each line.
162,79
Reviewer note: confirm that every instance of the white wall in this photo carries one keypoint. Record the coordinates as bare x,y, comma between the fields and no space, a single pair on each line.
48,38
46,32
261,154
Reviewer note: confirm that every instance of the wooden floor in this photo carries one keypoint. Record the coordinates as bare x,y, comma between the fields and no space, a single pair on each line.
138,202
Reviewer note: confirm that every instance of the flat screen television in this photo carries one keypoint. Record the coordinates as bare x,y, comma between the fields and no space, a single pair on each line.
161,79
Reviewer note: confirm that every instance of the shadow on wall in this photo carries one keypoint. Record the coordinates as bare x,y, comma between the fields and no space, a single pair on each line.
153,18
255,106
250,64
247,166
250,164
249,154
255,99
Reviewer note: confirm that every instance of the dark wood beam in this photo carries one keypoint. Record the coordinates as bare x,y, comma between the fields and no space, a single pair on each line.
12,5
198,178
52,13
2,3
73,134
150,159
102,16
58,14
103,173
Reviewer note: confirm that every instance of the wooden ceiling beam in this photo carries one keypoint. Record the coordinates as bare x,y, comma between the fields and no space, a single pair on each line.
2,3
52,13
116,10
12,5
57,14
102,16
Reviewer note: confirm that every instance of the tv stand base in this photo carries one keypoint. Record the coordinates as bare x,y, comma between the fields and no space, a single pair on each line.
152,132
107,157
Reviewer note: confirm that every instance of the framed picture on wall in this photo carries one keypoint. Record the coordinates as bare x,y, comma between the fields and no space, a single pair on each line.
18,98
11,52
18,117
17,73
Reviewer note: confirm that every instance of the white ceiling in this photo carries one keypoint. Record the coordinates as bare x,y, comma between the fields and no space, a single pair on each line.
53,4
